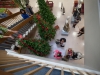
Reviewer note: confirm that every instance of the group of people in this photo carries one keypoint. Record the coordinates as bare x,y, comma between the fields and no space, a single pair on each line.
27,12
77,18
70,54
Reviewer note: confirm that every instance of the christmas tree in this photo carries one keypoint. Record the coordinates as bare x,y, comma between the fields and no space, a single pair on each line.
38,47
45,12
46,31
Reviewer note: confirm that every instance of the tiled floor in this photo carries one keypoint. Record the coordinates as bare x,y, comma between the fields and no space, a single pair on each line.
74,42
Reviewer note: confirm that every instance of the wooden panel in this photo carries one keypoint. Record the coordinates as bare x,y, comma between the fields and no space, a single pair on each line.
21,68
7,56
80,72
11,61
3,52
6,59
8,12
14,64
32,33
72,72
2,56
90,73
5,73
48,73
62,71
34,71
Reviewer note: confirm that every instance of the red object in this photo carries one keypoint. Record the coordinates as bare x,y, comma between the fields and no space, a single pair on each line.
50,4
38,16
70,52
20,36
56,27
56,53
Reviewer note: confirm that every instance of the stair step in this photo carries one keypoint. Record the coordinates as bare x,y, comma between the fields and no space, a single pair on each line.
8,42
21,68
56,72
14,67
14,64
11,61
4,73
15,24
4,44
42,71
22,72
3,48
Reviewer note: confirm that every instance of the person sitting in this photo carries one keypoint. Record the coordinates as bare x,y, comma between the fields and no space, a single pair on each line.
74,55
66,58
4,30
57,54
23,14
81,32
70,52
61,42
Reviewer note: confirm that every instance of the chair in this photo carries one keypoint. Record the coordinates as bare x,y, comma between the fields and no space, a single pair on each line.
50,4
56,27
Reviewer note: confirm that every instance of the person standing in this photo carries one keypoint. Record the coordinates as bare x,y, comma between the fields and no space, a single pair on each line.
29,10
81,32
79,6
23,14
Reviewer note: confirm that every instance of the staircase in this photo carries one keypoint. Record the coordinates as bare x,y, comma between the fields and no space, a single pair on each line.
15,22
20,66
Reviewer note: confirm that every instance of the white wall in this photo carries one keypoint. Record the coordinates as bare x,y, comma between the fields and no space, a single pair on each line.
92,34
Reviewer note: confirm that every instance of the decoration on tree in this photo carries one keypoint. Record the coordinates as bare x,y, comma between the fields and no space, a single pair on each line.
45,12
38,47
46,31
20,36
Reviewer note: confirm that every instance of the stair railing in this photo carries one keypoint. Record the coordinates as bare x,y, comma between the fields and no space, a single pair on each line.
10,20
16,61
17,27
